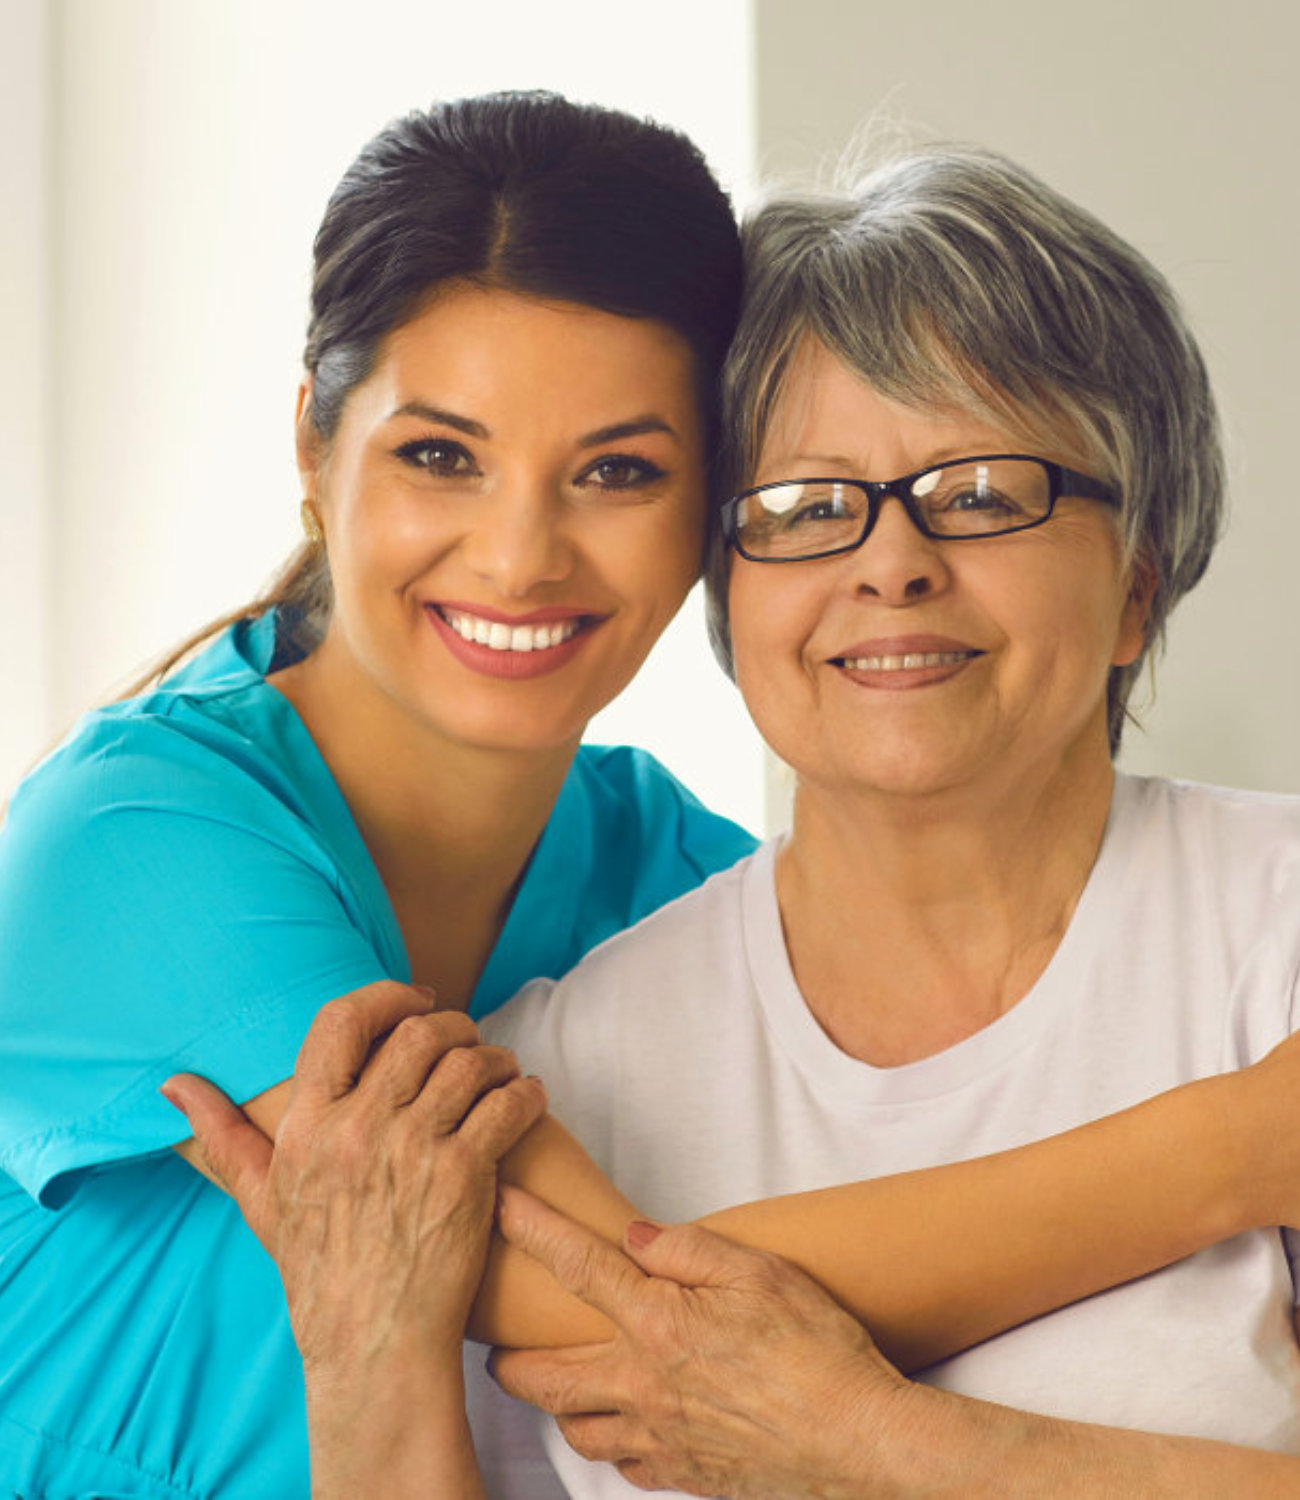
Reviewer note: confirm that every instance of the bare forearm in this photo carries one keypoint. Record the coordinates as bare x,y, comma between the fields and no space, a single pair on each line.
938,1445
1038,1228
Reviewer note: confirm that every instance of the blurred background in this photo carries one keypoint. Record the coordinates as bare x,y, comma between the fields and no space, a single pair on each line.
164,164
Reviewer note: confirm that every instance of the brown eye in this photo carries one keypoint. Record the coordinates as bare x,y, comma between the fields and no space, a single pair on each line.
621,471
438,456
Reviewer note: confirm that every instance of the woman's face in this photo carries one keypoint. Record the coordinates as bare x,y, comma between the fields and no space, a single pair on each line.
513,508
1018,633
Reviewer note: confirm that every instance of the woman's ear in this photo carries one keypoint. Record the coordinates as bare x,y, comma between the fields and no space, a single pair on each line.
307,440
1131,640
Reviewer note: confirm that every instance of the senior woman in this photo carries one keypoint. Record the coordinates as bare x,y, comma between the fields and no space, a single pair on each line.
976,466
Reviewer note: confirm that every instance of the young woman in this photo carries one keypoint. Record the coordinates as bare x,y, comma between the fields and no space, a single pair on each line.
372,774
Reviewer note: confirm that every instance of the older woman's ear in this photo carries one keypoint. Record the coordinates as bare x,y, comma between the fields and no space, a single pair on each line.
1131,639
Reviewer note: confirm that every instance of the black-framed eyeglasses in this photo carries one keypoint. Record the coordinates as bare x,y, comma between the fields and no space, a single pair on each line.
992,494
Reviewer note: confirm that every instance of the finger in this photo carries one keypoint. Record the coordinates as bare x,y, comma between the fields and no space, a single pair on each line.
501,1119
579,1259
344,1031
642,1477
565,1382
604,1437
399,1067
694,1257
460,1078
235,1149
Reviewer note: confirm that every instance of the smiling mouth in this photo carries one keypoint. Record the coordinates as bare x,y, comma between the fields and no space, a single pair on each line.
909,662
497,636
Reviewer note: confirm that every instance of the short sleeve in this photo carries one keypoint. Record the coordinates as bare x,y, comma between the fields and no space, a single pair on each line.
164,906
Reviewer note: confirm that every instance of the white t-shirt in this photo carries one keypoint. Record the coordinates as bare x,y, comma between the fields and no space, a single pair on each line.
683,1056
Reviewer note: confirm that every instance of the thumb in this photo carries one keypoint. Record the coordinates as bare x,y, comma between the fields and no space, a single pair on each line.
234,1150
690,1255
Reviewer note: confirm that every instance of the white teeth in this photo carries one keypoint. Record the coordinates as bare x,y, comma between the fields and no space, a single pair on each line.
908,663
498,636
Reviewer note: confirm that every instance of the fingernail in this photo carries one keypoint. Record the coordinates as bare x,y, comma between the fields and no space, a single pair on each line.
639,1234
427,989
169,1093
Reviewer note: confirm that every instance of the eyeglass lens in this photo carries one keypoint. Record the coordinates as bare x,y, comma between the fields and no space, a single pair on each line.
974,498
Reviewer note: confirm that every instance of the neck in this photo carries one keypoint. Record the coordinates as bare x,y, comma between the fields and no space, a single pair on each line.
450,826
912,922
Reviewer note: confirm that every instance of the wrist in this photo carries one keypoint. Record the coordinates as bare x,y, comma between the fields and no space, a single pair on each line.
934,1444
1244,1151
399,1428
905,1440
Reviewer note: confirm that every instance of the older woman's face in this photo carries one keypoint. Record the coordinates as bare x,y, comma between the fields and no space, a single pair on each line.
913,665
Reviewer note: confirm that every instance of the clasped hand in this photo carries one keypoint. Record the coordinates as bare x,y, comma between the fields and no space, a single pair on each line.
731,1372
376,1199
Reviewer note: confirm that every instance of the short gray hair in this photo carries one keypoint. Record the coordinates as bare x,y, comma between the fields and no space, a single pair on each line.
950,276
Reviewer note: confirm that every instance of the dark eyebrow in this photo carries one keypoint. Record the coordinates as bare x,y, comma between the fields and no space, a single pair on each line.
466,425
638,427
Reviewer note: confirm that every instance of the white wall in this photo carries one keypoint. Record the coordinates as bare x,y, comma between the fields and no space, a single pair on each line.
25,249
1178,122
195,144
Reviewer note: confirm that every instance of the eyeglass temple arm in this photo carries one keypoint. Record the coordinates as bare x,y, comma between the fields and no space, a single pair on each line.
1085,487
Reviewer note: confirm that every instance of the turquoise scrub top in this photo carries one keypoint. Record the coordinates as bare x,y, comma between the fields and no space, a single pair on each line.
182,886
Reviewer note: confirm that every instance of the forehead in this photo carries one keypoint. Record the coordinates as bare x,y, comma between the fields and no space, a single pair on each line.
489,346
828,412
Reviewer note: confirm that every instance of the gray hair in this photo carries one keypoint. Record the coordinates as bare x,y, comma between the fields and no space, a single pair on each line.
952,277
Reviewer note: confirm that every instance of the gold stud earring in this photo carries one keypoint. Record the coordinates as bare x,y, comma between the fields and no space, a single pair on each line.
311,525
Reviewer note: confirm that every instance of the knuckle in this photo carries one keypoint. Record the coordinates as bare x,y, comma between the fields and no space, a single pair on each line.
453,1027
464,1068
339,1024
508,1110
412,1035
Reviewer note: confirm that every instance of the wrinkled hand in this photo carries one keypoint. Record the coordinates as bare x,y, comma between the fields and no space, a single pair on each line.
732,1372
376,1198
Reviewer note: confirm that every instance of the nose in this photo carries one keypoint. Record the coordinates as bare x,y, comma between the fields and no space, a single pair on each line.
517,541
897,563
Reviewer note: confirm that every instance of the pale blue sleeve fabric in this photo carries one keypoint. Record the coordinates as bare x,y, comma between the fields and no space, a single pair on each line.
165,908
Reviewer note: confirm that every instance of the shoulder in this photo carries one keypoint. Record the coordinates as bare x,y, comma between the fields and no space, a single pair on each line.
647,802
1248,838
124,770
207,743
